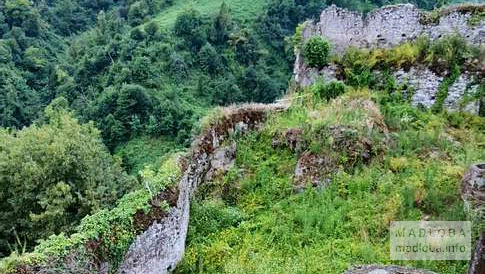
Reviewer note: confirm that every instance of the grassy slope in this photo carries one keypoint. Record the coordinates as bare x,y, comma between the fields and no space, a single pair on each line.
241,9
250,221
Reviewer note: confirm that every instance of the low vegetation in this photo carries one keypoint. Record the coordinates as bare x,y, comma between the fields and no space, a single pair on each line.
143,150
441,55
328,91
255,222
448,57
106,234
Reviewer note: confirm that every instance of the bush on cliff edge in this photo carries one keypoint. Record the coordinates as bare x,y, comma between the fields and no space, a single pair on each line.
316,52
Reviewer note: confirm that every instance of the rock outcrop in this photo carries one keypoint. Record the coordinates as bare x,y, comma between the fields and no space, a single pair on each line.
388,27
477,263
473,194
425,84
161,246
222,160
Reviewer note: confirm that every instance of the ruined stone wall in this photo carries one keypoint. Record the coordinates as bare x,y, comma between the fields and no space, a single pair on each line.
159,249
390,26
425,83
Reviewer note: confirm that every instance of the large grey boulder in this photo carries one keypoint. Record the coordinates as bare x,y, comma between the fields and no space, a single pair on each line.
222,159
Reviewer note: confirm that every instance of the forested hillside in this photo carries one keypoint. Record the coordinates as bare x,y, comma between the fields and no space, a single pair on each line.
123,71
88,86
85,50
135,78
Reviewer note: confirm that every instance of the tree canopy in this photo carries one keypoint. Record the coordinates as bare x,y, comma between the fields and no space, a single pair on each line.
52,175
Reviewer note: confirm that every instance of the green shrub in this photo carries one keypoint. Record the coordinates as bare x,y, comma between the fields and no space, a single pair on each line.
210,216
430,18
316,52
360,59
466,120
476,18
449,51
403,55
209,59
358,66
297,38
357,77
52,176
329,90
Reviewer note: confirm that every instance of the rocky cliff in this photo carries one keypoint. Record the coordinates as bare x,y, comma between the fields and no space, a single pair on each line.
391,26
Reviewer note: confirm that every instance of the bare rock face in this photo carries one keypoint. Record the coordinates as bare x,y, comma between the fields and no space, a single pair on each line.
318,168
459,89
314,169
425,84
292,138
477,263
377,269
473,190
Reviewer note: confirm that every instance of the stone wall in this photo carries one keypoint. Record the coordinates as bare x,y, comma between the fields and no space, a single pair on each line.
159,249
390,26
424,85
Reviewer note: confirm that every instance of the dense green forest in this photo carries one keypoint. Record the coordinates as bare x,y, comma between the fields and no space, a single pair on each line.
86,86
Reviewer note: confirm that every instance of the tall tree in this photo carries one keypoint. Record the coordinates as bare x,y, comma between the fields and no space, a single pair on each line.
222,25
53,175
